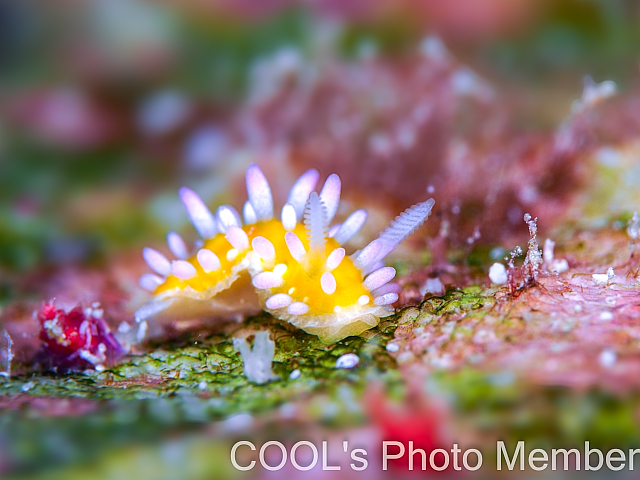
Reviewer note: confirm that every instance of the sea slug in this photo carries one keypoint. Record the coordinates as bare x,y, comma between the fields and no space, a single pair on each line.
294,267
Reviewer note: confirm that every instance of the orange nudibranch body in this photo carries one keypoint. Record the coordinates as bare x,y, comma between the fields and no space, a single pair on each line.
297,265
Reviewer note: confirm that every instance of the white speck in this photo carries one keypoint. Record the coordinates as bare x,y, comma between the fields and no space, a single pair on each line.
206,147
600,278
328,283
257,360
99,368
295,374
232,254
27,386
381,144
433,285
162,112
124,327
142,331
552,264
607,358
183,270
577,308
431,189
633,229
280,269
606,316
348,360
363,300
288,410
498,274
604,278
288,217
208,260
266,280
559,266
236,423
337,309
298,308
279,300
202,385
608,156
434,49
264,248
593,94
392,347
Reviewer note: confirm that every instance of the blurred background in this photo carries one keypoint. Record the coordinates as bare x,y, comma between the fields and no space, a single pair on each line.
493,107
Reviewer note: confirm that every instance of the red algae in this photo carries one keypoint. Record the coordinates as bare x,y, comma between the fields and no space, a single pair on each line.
76,340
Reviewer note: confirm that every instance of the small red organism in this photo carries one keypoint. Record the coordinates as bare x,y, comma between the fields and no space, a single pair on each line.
76,340
416,423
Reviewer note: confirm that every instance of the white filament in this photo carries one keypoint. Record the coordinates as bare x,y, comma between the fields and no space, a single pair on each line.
198,213
386,299
328,283
237,238
295,246
298,308
289,217
264,248
150,282
301,190
259,193
227,216
208,260
183,270
177,245
350,226
279,300
335,258
379,278
248,213
266,280
156,261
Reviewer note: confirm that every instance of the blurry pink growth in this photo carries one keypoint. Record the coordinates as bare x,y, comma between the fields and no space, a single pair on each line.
76,340
416,420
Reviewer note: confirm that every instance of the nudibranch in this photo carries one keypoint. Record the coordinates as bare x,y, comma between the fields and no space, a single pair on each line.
295,267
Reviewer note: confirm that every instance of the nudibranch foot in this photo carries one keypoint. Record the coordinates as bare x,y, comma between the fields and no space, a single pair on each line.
334,326
183,305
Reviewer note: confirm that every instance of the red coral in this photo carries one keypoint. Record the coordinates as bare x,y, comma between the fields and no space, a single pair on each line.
76,340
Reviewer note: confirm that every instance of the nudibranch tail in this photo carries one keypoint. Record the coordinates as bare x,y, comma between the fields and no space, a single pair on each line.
294,266
404,225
